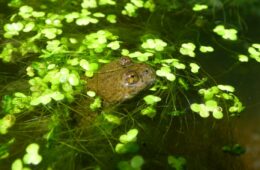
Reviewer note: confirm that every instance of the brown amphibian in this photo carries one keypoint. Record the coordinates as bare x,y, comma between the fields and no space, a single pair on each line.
120,80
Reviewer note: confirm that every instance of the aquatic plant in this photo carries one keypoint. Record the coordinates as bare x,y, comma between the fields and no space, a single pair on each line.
62,46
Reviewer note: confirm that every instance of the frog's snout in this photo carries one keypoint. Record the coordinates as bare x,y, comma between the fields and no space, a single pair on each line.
149,75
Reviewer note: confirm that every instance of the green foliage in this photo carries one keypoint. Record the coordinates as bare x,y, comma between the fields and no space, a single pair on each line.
112,118
254,51
228,34
4,148
154,44
6,123
16,103
127,142
212,100
188,49
151,101
134,164
32,156
199,7
95,104
235,149
177,163
206,49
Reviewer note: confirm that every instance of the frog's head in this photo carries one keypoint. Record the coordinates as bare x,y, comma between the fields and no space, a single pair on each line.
121,79
136,78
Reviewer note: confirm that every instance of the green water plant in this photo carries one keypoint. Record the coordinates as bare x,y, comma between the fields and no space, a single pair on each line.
228,34
31,157
127,142
235,149
211,98
177,163
134,164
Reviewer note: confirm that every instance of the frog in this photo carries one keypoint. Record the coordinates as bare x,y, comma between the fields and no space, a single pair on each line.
121,80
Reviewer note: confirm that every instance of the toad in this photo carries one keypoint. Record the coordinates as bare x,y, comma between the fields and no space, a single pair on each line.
120,80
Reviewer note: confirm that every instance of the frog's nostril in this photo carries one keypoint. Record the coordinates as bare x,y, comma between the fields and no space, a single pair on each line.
146,71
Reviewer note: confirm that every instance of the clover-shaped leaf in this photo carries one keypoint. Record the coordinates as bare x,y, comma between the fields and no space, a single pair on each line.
32,156
188,49
165,71
111,18
130,136
25,11
71,17
194,67
13,29
96,104
242,58
230,34
57,96
149,111
114,45
151,99
89,4
154,44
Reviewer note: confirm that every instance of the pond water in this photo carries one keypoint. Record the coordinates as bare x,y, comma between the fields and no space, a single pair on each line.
198,140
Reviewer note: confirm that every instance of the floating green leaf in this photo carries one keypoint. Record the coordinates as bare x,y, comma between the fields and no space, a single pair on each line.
154,44
188,49
227,88
130,136
137,162
96,104
112,118
12,29
32,156
199,7
114,45
149,111
229,34
6,122
206,49
194,67
151,99
17,165
242,58
111,18
165,71
126,148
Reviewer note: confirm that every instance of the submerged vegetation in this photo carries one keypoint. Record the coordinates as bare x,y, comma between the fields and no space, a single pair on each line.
48,120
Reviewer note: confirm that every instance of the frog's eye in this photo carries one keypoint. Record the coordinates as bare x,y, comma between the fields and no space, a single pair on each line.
131,77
